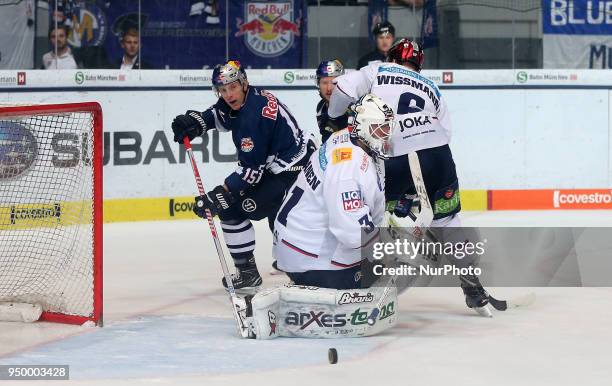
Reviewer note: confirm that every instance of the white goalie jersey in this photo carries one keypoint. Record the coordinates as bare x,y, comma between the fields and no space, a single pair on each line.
340,191
421,116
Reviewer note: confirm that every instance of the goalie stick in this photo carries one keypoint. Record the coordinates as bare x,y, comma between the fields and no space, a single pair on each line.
242,329
421,222
499,305
419,228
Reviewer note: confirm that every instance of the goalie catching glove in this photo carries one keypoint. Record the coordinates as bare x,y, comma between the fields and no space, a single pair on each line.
216,201
191,125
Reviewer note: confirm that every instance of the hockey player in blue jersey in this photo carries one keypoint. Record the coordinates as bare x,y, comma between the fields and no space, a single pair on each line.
326,72
272,149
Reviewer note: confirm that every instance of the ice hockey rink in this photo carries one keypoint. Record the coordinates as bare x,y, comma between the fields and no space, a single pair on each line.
167,321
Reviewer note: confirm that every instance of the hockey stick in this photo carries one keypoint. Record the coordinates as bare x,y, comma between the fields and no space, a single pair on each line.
419,225
421,222
499,305
376,310
213,230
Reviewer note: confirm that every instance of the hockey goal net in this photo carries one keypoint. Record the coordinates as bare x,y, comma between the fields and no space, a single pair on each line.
51,210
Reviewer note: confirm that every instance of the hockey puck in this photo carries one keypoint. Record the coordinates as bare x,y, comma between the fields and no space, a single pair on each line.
332,355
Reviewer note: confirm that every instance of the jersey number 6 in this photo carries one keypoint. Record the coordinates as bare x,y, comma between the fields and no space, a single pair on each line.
405,104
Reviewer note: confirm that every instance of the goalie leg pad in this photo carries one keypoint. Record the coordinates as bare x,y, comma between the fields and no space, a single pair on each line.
312,312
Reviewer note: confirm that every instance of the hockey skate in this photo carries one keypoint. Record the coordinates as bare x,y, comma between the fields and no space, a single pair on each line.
476,297
246,279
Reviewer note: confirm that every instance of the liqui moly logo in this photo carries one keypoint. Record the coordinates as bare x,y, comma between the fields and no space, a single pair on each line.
269,27
351,200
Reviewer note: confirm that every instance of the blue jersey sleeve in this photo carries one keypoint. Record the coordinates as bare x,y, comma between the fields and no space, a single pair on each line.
215,116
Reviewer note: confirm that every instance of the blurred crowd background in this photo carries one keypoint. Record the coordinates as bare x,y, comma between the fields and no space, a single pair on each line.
194,34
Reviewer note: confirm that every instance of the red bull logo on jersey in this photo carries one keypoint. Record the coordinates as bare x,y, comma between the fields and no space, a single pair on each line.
268,27
246,144
351,200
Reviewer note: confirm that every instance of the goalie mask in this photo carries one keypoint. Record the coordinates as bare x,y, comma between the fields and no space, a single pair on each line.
372,124
227,73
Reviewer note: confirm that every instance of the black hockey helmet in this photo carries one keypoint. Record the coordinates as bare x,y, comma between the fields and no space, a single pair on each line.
383,28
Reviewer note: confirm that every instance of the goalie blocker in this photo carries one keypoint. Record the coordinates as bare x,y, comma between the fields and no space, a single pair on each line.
313,312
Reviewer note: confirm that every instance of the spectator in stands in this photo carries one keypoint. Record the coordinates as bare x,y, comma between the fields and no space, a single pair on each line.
130,42
384,34
60,57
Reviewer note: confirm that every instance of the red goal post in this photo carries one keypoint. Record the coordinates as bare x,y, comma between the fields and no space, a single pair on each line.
51,209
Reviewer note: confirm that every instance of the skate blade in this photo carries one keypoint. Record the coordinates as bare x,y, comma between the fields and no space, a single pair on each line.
484,311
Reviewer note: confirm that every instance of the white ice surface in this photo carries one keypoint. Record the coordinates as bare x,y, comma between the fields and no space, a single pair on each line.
168,322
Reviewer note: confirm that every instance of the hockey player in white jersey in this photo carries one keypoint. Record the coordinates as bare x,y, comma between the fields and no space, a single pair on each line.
318,239
317,232
423,126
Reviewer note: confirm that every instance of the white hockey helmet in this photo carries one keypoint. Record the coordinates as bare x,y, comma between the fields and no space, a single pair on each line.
372,123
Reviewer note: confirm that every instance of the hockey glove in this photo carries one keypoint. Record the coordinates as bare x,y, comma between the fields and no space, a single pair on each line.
191,124
406,204
216,200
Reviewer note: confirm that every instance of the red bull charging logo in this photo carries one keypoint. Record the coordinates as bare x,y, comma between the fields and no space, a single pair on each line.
269,27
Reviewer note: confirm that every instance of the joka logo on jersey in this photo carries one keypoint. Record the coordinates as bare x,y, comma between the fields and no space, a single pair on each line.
269,27
246,144
416,121
351,200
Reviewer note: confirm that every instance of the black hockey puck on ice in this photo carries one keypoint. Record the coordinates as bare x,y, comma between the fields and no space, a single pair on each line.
332,355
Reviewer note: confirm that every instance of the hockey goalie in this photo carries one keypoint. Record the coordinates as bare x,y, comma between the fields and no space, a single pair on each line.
330,213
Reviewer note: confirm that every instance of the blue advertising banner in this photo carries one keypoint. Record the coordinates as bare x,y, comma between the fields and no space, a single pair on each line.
187,34
429,26
377,12
269,34
577,33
